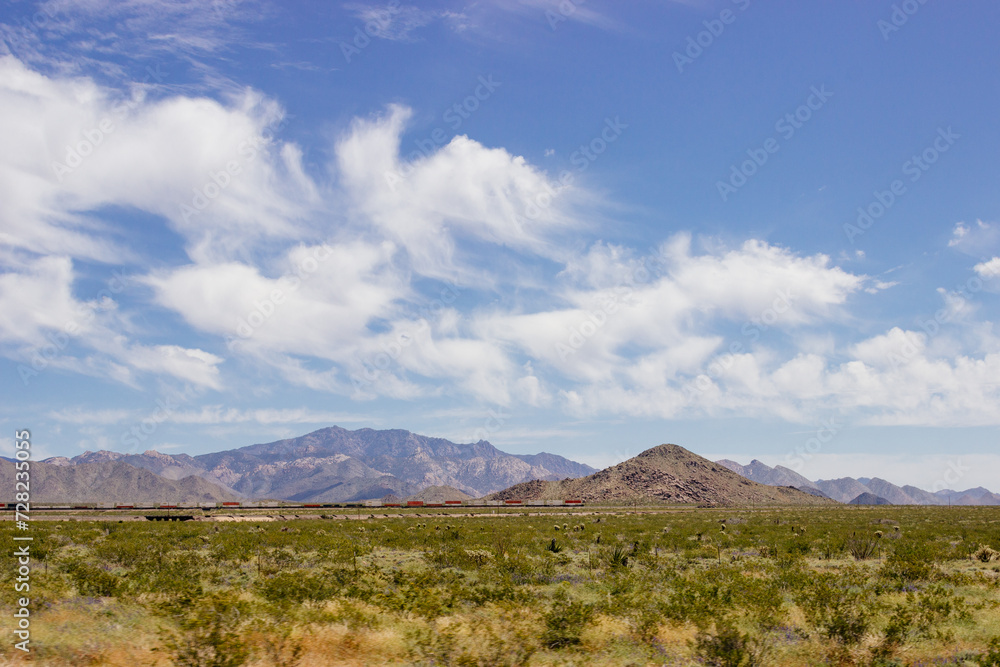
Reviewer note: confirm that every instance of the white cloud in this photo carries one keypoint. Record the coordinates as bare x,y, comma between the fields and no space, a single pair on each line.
327,285
462,191
213,171
319,305
975,239
989,269
37,299
666,306
43,326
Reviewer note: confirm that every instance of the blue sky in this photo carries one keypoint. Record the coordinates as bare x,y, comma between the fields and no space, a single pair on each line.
752,230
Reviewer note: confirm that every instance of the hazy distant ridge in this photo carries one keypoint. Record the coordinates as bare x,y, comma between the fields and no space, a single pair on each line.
849,489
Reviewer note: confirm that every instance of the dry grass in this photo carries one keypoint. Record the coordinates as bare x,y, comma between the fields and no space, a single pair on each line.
414,592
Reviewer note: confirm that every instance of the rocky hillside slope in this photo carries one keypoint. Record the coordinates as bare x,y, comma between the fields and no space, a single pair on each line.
667,473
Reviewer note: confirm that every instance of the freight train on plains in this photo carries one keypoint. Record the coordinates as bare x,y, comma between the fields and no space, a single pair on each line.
278,505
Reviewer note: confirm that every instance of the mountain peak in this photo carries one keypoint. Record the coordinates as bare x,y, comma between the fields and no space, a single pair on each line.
333,464
668,473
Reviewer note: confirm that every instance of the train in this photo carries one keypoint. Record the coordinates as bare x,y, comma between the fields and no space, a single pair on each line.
272,505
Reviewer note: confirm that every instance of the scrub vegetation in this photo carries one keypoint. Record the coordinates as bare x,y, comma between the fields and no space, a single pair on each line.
599,586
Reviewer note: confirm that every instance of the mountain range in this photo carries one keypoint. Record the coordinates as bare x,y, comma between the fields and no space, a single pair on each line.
862,489
337,465
664,473
111,482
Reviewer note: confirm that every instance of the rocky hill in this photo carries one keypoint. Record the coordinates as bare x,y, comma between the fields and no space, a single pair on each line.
337,465
869,498
667,473
111,482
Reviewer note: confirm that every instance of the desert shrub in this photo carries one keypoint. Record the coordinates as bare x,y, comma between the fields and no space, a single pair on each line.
295,587
646,619
565,620
480,557
828,550
728,647
697,599
763,601
173,575
839,611
433,644
235,546
985,554
429,594
92,580
275,639
799,548
124,550
207,632
910,561
992,657
920,616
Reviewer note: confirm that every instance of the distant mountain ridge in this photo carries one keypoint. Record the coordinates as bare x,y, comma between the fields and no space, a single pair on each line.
850,489
111,481
337,465
666,473
764,474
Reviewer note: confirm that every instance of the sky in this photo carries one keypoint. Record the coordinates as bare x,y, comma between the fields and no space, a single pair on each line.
756,230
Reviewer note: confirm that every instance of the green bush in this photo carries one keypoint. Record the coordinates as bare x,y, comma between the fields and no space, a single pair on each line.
910,562
207,633
297,586
728,647
565,620
93,580
838,610
992,657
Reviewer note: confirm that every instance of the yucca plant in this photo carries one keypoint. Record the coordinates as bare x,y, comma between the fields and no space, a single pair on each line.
618,556
863,548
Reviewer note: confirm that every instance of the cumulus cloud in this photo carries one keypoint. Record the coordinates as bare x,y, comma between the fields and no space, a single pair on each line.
215,173
42,325
319,305
989,269
428,203
446,272
664,305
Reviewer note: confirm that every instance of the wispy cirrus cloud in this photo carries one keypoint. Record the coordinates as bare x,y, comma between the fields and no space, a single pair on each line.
393,21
